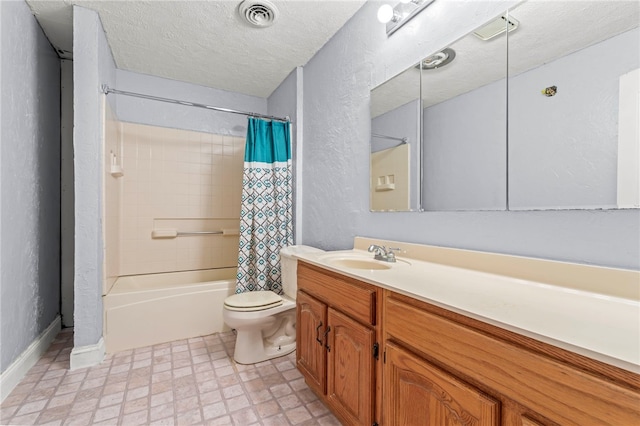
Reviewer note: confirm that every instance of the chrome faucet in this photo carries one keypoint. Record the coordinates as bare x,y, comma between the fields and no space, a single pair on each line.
382,253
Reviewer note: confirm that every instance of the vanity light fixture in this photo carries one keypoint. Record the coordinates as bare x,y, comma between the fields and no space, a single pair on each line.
401,13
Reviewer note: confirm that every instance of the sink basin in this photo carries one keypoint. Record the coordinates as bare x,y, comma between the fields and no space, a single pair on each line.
355,260
358,264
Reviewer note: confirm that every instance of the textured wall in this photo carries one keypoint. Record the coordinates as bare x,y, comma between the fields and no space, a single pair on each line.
92,66
144,111
30,181
336,173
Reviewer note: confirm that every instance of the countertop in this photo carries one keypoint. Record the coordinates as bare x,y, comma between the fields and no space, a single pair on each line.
601,326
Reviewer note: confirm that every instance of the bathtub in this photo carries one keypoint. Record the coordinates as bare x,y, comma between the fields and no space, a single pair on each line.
143,310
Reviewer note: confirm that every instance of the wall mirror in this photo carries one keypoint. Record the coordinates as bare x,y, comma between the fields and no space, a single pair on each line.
573,105
556,128
464,122
395,144
446,119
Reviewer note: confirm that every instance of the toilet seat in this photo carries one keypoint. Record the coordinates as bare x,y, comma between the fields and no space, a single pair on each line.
253,301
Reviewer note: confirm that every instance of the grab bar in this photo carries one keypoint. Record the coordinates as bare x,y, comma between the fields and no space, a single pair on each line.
378,135
179,234
173,233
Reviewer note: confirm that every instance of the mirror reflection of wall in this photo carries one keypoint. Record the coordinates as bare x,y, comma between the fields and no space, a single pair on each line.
573,105
395,144
464,122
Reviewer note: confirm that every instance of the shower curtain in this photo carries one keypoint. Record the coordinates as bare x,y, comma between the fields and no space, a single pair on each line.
266,213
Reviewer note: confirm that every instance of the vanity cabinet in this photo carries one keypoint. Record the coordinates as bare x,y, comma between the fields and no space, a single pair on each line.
444,368
440,367
336,342
419,393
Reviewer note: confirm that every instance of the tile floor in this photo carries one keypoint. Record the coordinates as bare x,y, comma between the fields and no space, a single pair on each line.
186,382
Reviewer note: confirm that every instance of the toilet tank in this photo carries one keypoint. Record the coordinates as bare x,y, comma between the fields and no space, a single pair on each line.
289,267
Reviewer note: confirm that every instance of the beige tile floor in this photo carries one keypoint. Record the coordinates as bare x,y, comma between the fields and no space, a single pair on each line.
186,382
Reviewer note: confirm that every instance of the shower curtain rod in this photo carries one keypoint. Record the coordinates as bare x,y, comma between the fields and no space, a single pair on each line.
106,90
377,135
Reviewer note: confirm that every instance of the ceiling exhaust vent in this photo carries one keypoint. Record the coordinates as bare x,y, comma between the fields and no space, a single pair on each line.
258,13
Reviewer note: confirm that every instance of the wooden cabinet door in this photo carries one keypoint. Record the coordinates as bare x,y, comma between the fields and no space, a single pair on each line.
417,393
311,355
350,376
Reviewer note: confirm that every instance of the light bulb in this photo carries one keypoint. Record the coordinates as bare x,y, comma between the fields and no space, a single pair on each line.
385,13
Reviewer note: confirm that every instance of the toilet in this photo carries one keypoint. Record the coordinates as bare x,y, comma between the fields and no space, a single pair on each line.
265,322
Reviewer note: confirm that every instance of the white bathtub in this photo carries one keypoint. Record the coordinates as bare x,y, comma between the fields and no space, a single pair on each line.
143,310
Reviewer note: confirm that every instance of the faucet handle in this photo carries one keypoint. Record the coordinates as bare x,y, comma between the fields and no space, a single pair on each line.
390,252
376,249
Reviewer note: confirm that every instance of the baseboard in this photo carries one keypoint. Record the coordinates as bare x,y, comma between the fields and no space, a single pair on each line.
10,378
87,356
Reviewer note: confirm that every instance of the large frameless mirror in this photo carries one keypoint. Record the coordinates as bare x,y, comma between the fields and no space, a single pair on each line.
571,104
574,105
395,144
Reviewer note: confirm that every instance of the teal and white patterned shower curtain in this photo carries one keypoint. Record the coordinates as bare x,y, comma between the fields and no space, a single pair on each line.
266,213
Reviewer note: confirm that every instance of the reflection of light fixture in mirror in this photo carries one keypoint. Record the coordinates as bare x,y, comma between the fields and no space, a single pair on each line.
401,13
496,27
437,60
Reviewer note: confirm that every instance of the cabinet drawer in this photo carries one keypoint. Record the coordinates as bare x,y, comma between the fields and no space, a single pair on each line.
560,392
355,298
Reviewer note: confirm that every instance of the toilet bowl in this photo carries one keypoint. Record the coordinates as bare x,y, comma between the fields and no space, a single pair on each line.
263,320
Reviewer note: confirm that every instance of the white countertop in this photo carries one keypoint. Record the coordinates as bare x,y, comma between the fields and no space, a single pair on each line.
599,326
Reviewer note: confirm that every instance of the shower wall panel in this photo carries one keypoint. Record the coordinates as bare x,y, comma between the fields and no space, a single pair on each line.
112,198
184,181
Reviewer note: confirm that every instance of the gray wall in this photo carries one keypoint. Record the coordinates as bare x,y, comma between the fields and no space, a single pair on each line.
29,181
67,207
144,111
337,82
93,65
283,101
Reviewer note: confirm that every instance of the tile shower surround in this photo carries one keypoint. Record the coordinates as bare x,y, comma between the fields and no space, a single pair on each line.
193,181
185,382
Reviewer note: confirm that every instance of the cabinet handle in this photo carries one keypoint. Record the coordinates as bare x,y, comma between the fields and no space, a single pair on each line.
318,333
326,334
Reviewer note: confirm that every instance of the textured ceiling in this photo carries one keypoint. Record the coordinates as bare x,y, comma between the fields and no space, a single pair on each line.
204,42
548,30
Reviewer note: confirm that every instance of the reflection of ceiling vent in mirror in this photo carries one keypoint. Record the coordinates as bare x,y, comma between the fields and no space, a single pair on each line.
496,27
258,13
437,60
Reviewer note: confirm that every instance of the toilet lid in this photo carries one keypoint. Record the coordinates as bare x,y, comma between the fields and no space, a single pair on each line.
253,301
